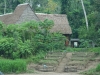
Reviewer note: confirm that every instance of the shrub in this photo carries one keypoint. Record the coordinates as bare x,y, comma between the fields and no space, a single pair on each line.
25,49
27,39
7,47
90,72
95,71
84,43
39,56
98,68
96,50
10,66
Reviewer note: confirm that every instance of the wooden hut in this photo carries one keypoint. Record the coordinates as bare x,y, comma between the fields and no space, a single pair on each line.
24,12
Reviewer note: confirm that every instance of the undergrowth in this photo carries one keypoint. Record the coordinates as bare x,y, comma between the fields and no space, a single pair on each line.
12,66
95,71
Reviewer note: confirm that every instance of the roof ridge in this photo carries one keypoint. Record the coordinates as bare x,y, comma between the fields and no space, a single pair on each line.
6,14
23,4
51,14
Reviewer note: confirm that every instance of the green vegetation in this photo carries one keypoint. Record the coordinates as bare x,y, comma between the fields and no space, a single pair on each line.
70,49
96,49
12,66
38,57
95,71
30,41
98,68
74,13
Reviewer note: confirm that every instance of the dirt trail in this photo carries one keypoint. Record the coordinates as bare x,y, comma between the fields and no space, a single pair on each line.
47,73
62,64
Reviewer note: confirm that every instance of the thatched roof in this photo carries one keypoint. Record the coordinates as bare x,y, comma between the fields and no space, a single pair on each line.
60,22
12,18
15,16
5,17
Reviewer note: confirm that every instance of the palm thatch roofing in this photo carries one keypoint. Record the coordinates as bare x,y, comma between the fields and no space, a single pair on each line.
12,18
4,18
60,20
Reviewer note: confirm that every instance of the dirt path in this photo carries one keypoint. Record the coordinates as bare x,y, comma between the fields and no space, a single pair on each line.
62,64
47,73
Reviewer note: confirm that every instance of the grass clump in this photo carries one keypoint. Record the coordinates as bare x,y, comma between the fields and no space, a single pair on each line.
95,71
38,56
98,68
12,66
95,49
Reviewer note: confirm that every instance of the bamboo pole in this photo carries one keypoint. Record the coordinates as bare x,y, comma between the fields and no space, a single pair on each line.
85,14
5,6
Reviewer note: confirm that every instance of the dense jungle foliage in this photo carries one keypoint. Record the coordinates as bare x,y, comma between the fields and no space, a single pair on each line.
74,11
32,39
27,39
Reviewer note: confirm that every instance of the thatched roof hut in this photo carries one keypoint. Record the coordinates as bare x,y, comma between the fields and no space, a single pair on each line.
60,22
24,12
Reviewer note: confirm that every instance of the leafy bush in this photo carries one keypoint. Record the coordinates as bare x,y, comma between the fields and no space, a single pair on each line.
95,71
84,43
39,56
90,72
29,38
12,66
69,49
96,50
7,47
98,68
25,49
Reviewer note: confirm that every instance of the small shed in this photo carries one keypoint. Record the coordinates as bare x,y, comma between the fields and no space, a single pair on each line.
75,42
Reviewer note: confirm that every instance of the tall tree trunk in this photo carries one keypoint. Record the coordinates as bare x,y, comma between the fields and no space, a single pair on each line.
5,6
85,14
